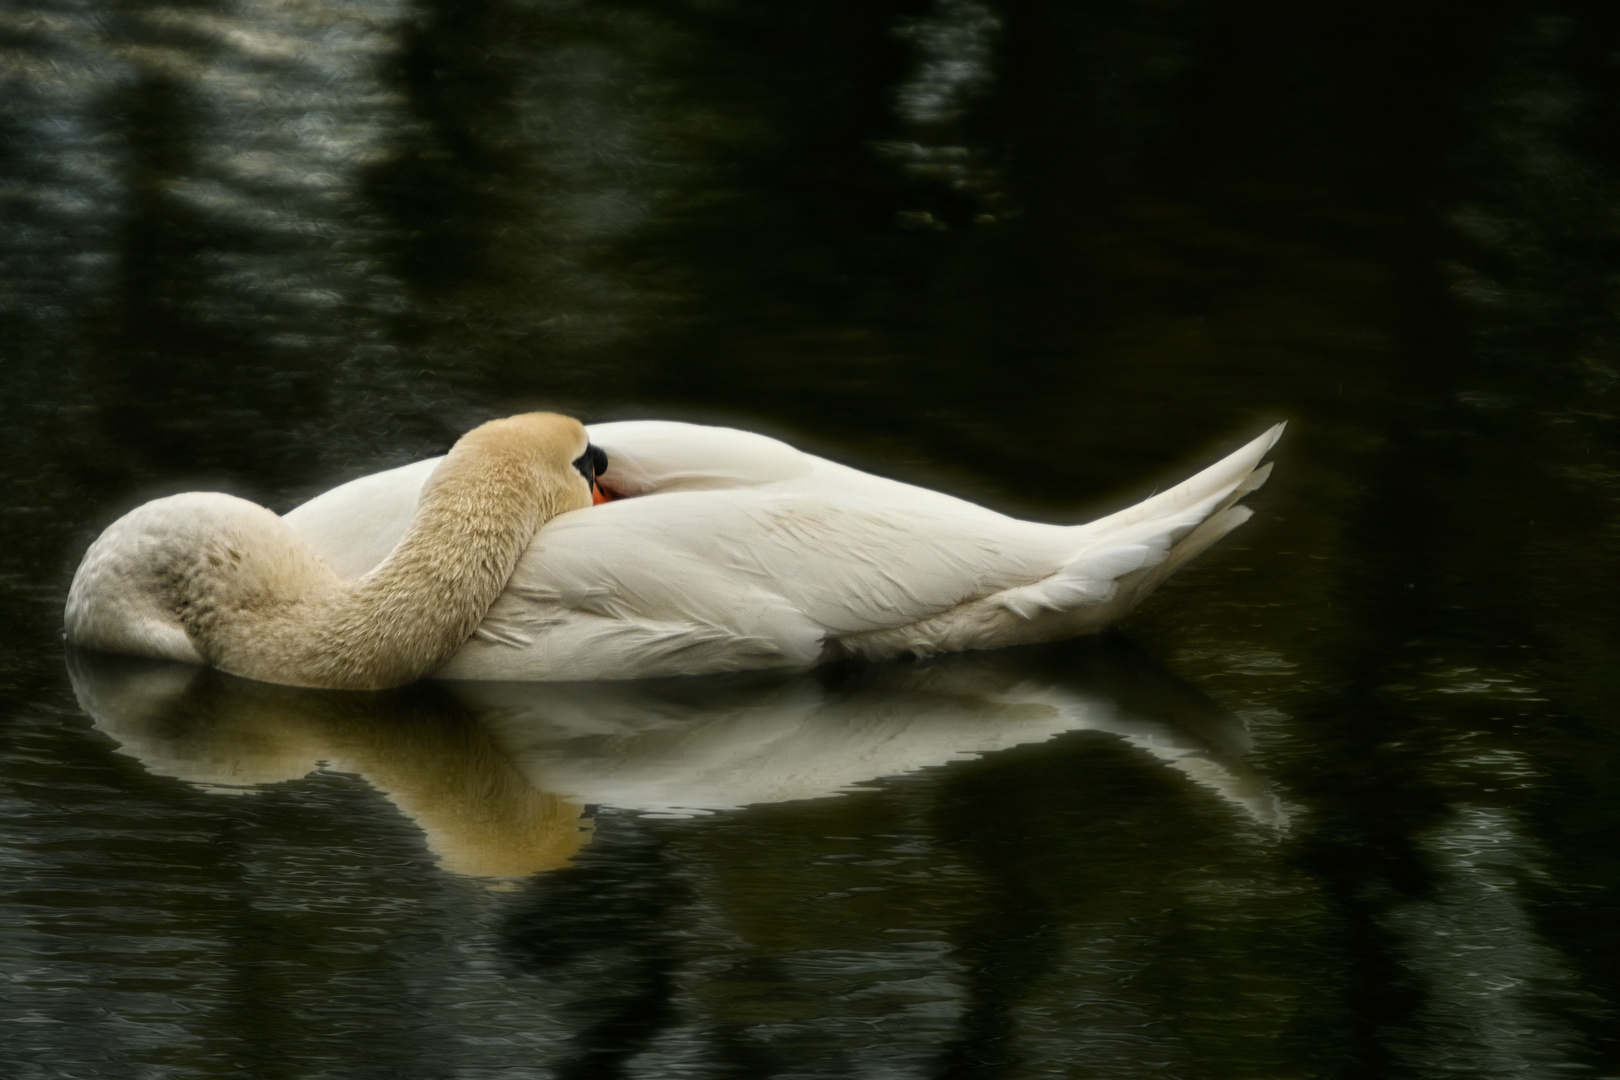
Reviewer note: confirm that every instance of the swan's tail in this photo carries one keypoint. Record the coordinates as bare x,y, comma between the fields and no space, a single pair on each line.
1124,556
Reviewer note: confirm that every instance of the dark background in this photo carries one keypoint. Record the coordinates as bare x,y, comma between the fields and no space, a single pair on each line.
1036,253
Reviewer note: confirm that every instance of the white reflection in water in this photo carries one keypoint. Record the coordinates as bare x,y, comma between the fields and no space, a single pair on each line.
1498,997
635,748
500,790
955,51
955,54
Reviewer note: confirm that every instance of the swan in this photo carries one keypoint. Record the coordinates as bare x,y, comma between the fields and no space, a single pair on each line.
209,578
723,550
539,550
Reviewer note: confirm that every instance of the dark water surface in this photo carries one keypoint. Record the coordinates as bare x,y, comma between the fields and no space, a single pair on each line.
1341,801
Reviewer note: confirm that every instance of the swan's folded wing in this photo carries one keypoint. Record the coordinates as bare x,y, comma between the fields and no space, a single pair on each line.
707,581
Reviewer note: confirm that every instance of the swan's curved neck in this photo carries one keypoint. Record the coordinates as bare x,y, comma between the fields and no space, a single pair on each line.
254,599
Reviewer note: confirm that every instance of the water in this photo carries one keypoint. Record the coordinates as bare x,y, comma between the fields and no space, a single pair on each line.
1338,802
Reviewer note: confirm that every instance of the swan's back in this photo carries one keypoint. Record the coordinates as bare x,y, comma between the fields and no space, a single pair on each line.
355,525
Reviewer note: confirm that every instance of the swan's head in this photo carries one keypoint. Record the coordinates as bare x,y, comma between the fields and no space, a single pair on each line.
540,451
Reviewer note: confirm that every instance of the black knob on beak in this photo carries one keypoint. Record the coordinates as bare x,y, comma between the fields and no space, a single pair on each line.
591,464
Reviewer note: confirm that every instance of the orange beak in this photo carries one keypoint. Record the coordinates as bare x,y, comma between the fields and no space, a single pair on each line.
598,496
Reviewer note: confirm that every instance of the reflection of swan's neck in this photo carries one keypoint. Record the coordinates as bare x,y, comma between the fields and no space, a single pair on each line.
480,816
216,578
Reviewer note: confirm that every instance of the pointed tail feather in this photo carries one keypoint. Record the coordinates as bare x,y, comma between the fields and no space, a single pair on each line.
1184,522
1126,555
1224,482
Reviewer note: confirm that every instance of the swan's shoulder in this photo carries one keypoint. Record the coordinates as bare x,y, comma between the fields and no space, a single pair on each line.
355,525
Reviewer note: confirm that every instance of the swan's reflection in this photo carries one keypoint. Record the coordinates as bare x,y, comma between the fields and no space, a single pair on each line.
498,774
424,752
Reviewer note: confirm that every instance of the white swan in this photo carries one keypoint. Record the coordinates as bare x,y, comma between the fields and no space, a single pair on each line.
727,550
210,578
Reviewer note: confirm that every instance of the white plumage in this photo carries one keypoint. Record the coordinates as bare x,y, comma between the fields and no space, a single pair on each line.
729,550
